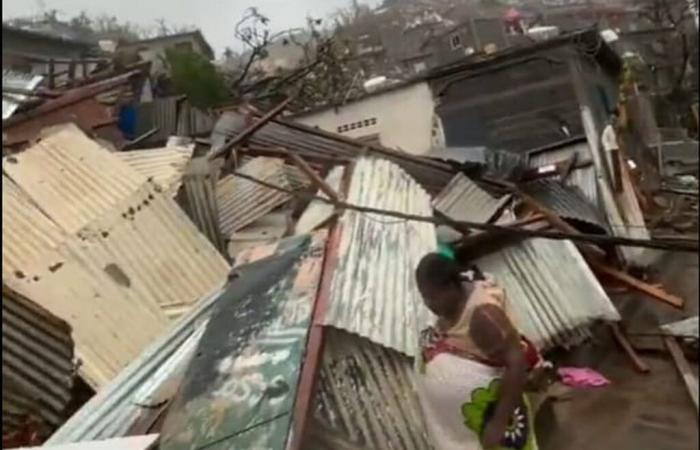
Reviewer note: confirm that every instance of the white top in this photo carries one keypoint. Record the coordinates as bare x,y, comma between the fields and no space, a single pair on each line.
609,138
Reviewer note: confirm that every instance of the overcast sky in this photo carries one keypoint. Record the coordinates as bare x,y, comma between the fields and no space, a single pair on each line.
214,17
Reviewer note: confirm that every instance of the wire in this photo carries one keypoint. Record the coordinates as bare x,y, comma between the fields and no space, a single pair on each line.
684,245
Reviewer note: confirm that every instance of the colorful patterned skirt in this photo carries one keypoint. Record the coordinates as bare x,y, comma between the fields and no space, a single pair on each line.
458,397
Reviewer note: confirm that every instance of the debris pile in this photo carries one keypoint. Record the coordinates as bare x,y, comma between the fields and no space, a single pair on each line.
257,288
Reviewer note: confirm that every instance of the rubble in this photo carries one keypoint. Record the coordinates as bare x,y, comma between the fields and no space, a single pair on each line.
238,287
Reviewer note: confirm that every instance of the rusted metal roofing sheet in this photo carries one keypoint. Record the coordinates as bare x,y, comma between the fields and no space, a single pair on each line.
552,292
165,166
265,230
71,177
464,200
373,290
16,80
241,201
239,390
309,142
365,394
134,395
38,367
567,201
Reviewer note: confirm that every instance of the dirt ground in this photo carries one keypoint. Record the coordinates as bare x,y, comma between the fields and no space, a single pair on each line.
637,411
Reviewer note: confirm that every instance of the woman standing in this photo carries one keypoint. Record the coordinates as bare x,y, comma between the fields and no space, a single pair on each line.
474,364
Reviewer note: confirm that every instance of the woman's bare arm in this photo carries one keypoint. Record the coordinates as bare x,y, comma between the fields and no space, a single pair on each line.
493,333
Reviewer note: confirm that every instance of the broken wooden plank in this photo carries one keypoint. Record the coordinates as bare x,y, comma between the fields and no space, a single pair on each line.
689,378
639,364
636,284
317,181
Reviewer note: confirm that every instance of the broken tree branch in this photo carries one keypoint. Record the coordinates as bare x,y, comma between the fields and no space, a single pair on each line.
667,244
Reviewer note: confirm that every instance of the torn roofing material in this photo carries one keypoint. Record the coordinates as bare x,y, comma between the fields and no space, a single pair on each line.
312,143
318,211
464,200
566,201
241,201
127,262
16,80
133,396
71,177
373,291
165,166
365,395
38,368
583,178
550,289
240,387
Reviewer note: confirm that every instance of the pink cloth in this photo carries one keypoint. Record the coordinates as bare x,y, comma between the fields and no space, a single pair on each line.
581,377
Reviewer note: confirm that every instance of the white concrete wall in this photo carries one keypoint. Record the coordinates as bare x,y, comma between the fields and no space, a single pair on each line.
403,118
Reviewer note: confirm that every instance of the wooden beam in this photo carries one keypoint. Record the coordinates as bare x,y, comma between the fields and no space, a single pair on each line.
636,284
689,378
316,180
639,364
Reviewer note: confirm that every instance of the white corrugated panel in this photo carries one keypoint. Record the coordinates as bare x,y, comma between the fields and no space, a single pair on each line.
135,260
10,79
148,245
26,232
71,177
241,202
374,293
463,200
164,165
319,211
550,289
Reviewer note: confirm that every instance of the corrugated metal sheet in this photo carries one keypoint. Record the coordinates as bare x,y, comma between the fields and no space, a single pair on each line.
165,166
311,143
37,363
241,202
318,212
160,113
15,80
146,442
240,389
265,230
685,328
567,201
552,292
464,200
193,122
200,181
71,178
373,292
365,394
135,260
136,390
583,178
26,232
